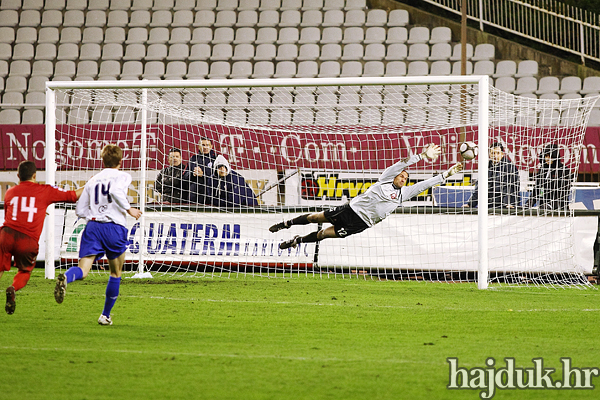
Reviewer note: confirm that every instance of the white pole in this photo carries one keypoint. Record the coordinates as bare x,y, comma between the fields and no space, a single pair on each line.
142,187
482,208
50,178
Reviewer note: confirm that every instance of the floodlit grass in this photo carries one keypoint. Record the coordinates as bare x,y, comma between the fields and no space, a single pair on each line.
301,338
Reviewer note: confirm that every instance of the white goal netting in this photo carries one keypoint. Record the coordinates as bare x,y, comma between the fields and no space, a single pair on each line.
307,145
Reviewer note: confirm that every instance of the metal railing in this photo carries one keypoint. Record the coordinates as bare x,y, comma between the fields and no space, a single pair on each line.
550,22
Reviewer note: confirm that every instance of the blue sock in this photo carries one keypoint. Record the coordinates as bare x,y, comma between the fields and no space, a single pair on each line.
74,274
112,292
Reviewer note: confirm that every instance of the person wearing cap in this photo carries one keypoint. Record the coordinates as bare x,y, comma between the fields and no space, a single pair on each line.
227,188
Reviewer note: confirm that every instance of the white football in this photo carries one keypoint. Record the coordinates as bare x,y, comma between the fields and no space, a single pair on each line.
468,150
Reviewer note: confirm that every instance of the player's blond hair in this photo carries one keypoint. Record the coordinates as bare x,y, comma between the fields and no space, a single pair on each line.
111,155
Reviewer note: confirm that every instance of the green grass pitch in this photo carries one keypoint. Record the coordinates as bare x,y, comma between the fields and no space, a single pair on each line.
300,338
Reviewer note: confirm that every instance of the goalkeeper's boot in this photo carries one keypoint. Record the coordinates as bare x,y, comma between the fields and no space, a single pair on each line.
61,288
290,243
10,300
279,226
104,320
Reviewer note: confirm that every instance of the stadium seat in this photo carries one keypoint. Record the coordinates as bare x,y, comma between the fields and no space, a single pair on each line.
244,52
77,4
440,68
204,18
484,68
26,35
440,34
355,5
269,5
288,35
591,86
440,52
312,5
117,18
505,68
47,34
395,68
37,84
526,84
226,5
180,36
90,51
370,116
266,35
265,52
355,18
289,18
396,52
223,35
484,51
154,70
241,70
112,35
7,35
281,116
5,52
95,18
139,18
221,52
375,34
263,70
331,34
352,52
376,17
291,5
245,35
527,68
23,51
247,19
329,69
353,35
325,117
417,68
32,116
303,117
287,52
132,70
309,51
10,116
457,51
136,51
176,70
258,117
396,35
594,119
178,51
268,19
333,4
311,18
548,84
30,18
109,69
183,19
333,18
374,52
201,35
417,52
225,18
20,68
285,69
197,70
307,69
15,83
418,34
570,84
124,115
9,18
87,68
157,35
42,68
64,68
112,51
248,5
374,68
45,51
398,18
506,84
206,5
219,70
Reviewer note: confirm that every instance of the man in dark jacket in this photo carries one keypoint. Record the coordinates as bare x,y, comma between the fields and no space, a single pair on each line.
552,181
503,181
170,182
227,188
200,165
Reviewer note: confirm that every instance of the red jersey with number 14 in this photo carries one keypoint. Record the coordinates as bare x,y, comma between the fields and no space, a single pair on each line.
25,206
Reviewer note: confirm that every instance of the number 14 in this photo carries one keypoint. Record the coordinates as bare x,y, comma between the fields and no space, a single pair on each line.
29,209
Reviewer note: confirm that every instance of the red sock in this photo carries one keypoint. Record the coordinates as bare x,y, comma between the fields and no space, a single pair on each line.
21,279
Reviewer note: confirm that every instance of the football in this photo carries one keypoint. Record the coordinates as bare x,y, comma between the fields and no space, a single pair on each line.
468,150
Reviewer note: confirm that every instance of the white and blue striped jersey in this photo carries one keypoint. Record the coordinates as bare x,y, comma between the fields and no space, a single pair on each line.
104,198
382,198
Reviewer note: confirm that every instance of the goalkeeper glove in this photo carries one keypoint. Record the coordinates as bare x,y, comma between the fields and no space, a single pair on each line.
432,151
453,170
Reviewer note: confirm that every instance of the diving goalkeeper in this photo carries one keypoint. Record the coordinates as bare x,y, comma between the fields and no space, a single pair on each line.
371,207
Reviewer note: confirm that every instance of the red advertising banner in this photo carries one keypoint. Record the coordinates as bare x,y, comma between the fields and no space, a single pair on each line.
360,148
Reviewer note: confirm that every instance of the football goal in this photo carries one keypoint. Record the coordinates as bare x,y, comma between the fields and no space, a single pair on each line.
215,163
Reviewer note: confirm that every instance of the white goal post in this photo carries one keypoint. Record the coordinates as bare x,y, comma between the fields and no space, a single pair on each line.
303,145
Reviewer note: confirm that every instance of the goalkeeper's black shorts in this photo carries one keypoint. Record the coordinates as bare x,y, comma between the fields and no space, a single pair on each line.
345,221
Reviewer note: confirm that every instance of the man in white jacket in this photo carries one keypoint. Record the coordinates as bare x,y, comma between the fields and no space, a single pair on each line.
371,207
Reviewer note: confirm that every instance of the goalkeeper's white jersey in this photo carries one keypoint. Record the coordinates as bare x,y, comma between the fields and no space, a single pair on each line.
104,198
382,198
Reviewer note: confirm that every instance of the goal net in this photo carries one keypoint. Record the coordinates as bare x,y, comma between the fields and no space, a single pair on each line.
215,163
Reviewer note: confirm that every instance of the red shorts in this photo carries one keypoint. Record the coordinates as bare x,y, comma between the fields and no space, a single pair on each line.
20,246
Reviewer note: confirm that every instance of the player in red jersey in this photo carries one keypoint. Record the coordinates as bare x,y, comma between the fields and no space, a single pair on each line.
24,213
